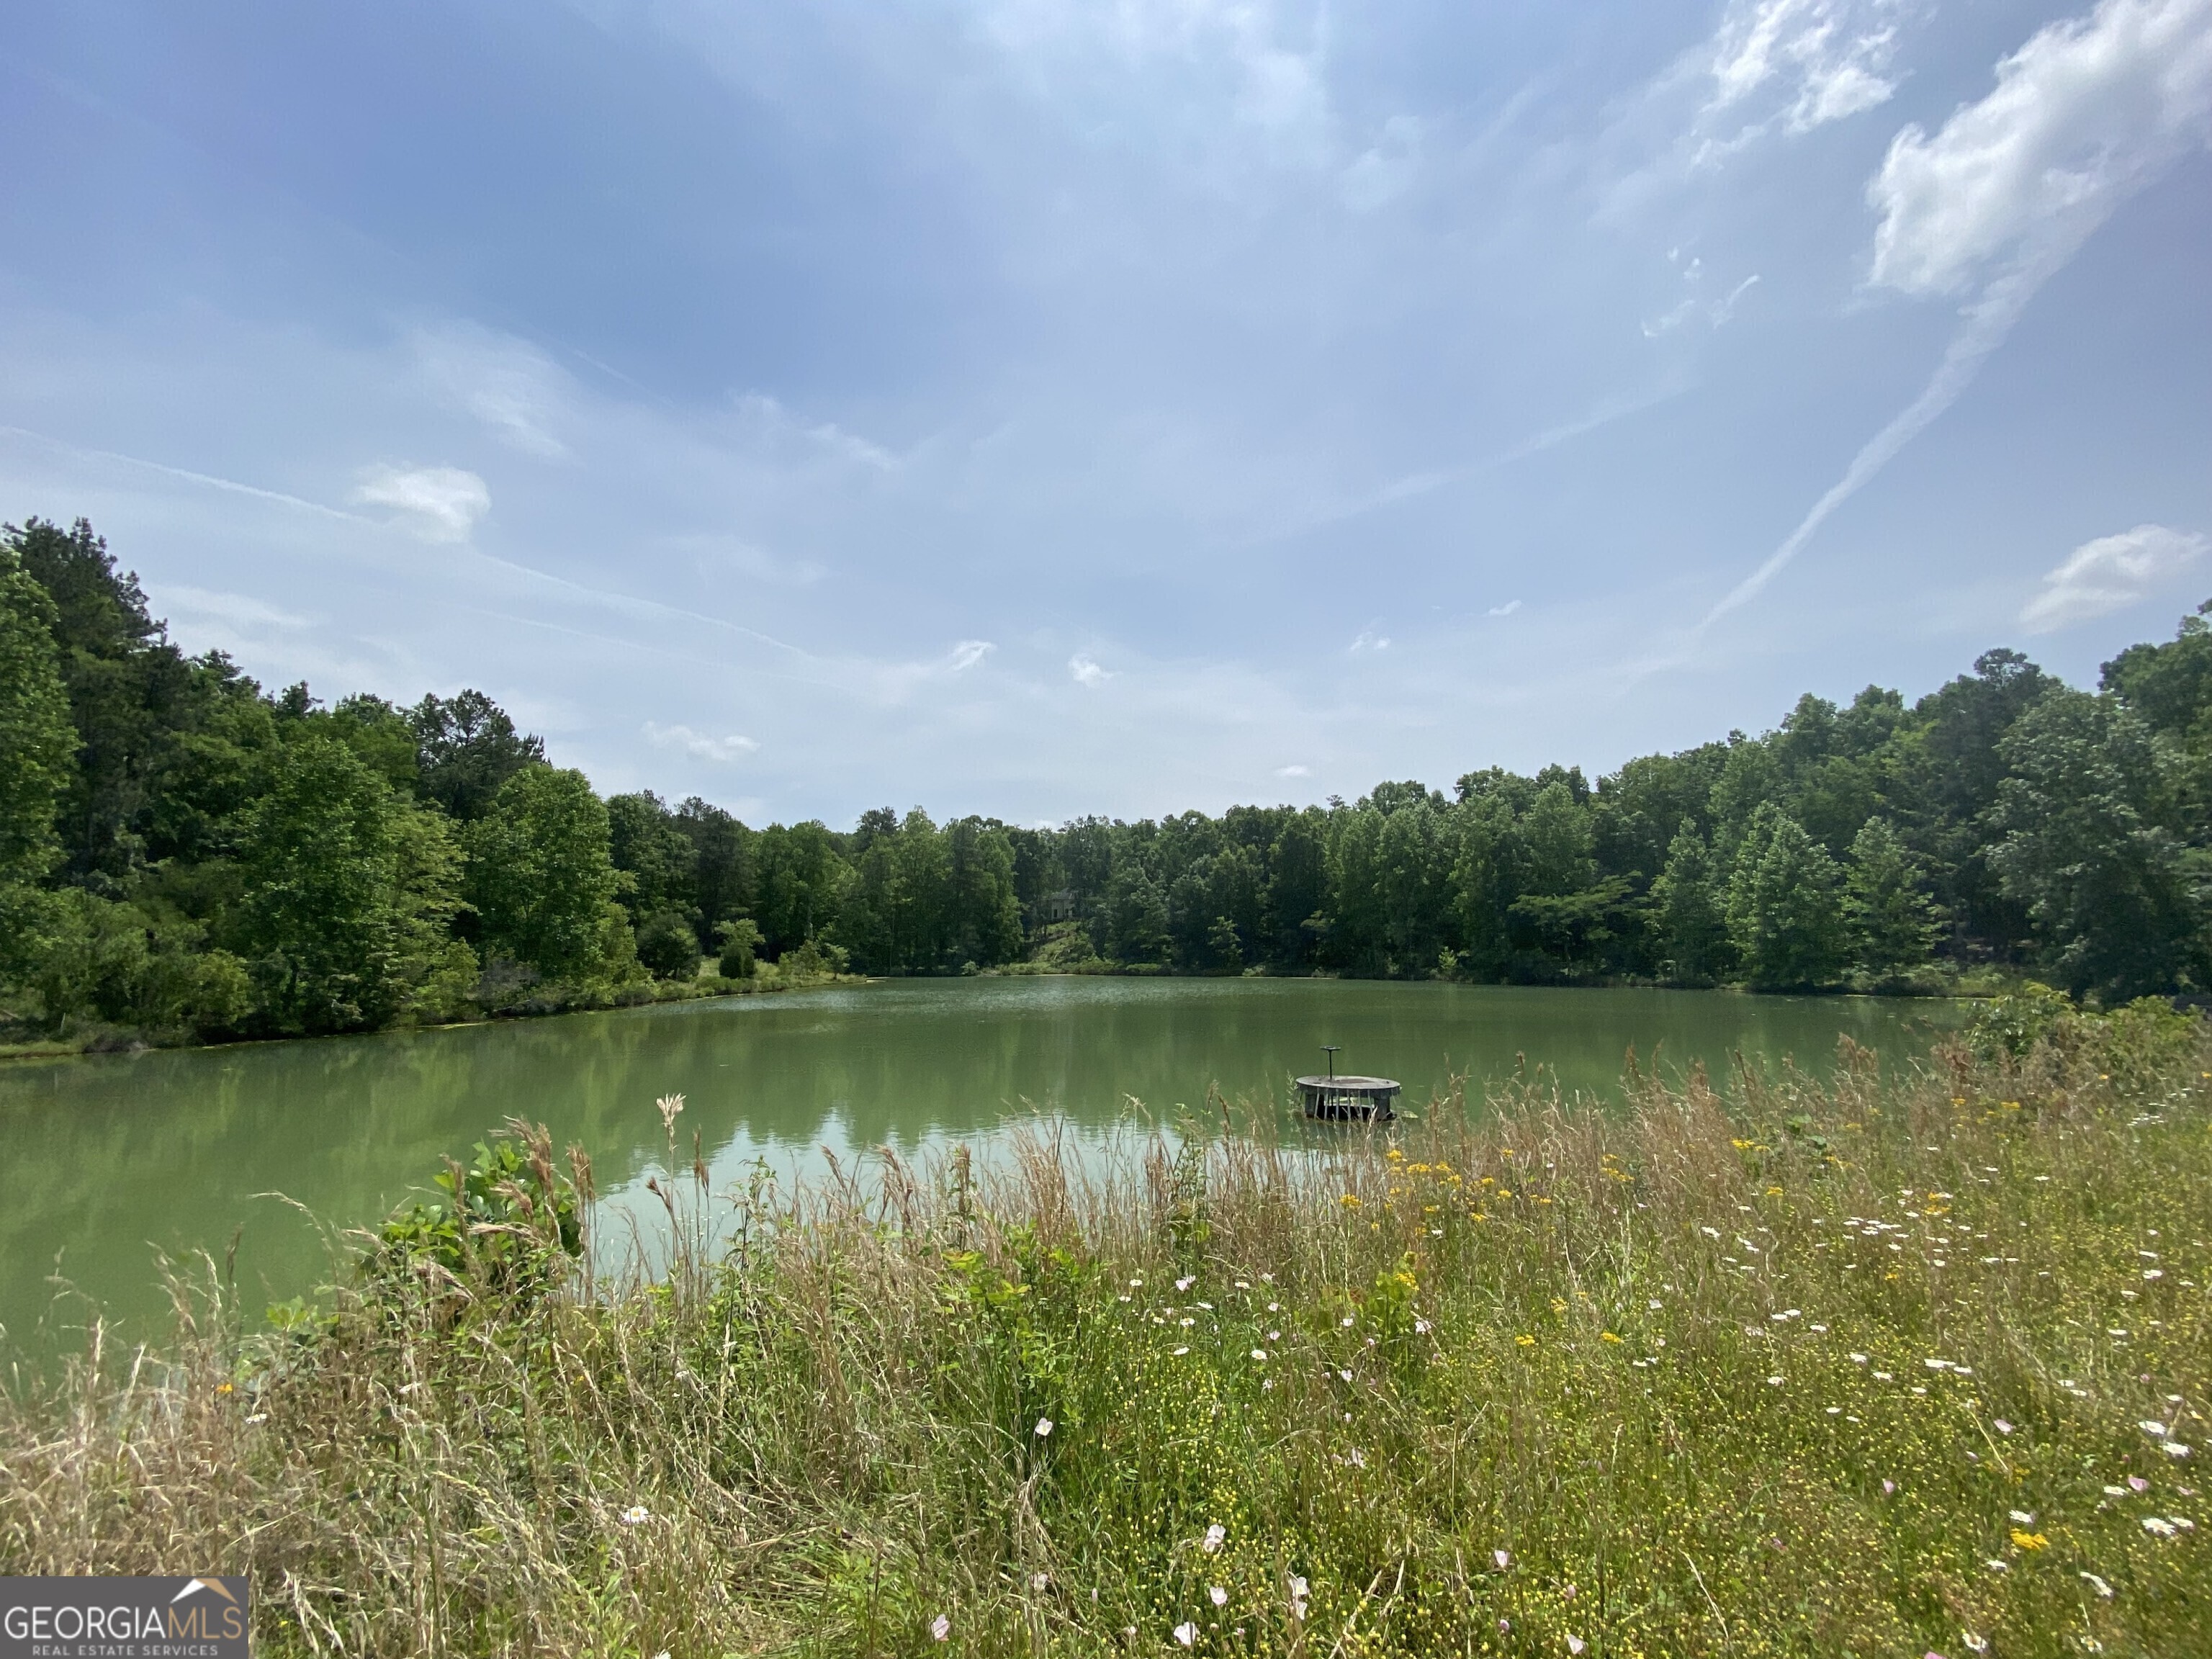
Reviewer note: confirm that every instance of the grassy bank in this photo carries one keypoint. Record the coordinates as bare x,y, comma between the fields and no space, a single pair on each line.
21,1039
1890,1366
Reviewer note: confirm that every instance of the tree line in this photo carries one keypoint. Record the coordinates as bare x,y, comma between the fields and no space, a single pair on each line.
183,852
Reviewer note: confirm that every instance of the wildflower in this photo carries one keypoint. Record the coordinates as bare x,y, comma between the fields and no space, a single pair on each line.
1858,1359
2000,1425
2029,1541
1218,1595
1775,1381
1995,1566
1574,1644
1259,1353
2175,1448
1185,1284
1298,1586
1038,1580
637,1516
941,1628
222,1387
1186,1633
258,1417
1214,1535
2158,1525
1889,1489
1525,1341
1974,1643
1350,1201
1503,1559
1345,1321
1653,1304
2116,1491
1422,1327
2026,1517
1043,1427
2099,1585
1274,1336
2138,1484
1607,1336
1179,1352
1344,1376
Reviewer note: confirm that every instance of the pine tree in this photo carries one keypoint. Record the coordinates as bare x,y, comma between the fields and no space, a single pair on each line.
1694,929
1785,907
1893,923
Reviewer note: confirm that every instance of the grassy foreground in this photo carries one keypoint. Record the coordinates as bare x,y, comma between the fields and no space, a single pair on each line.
1895,1365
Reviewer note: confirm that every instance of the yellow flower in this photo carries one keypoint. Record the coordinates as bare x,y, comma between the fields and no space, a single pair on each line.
1558,1306
1774,1192
1395,1155
2030,1540
1350,1201
1525,1341
1607,1336
222,1387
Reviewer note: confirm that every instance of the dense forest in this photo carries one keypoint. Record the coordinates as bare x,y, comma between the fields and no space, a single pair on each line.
184,853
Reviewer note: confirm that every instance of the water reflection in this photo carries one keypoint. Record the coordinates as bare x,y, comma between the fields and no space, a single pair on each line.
107,1156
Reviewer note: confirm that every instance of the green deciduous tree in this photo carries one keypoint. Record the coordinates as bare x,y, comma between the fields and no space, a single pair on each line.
37,744
2096,843
542,879
347,891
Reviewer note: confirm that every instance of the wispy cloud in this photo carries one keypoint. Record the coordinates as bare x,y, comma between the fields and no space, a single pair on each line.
1504,609
240,610
1368,640
1802,63
2083,116
2110,574
1294,771
1086,669
968,653
698,744
508,385
437,503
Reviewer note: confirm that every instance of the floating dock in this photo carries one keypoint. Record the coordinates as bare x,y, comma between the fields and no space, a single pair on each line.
1350,1099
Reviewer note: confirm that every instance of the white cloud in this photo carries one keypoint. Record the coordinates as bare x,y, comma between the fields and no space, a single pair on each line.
438,503
510,386
1506,609
968,653
2111,574
698,743
1807,63
2084,115
1368,640
1086,669
1294,771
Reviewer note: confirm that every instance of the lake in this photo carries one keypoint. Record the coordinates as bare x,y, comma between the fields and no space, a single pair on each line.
111,1157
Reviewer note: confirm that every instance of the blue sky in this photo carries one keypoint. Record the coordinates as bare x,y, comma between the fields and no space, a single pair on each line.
1036,408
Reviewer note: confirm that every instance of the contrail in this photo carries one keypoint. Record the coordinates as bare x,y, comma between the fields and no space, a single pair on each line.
1989,319
189,477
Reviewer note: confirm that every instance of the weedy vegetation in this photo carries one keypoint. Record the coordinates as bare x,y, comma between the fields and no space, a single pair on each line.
1770,1364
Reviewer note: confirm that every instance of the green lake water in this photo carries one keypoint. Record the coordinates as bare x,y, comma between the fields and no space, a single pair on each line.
109,1158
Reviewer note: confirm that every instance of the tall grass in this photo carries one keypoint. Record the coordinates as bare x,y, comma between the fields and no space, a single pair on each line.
1877,1365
